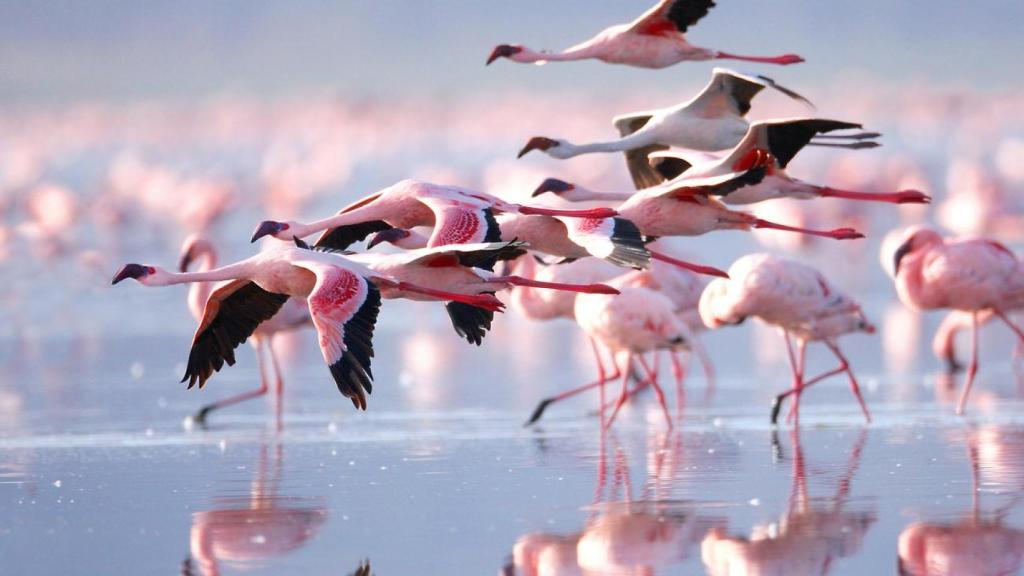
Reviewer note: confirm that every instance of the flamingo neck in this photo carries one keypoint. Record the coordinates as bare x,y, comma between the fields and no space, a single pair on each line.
375,210
199,292
581,194
235,271
530,56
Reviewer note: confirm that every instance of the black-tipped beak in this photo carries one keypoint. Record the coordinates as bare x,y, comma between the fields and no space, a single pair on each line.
390,236
537,143
266,228
503,51
902,251
553,185
133,271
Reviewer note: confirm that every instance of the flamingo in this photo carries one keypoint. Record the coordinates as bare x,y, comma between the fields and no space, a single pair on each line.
712,120
293,314
343,298
977,276
654,40
755,169
459,216
797,299
664,211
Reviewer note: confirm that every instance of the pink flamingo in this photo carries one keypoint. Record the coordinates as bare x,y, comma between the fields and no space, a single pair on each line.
459,216
664,211
977,276
800,301
343,299
293,314
654,40
712,120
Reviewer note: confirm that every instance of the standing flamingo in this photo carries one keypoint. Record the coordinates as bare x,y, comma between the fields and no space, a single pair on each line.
343,299
459,216
293,314
654,40
712,120
800,301
977,276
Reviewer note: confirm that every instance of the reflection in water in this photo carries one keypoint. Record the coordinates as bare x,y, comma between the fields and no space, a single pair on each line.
809,537
622,535
245,532
976,545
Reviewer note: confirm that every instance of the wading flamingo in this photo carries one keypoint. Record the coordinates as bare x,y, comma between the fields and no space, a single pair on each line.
343,299
712,120
293,314
797,299
654,40
977,276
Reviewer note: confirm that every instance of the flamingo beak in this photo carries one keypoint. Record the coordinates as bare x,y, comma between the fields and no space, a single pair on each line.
552,185
541,143
267,228
503,51
902,251
133,271
390,236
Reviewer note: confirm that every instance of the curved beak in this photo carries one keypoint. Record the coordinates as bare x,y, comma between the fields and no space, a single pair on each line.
542,143
503,51
133,271
902,251
390,236
553,185
266,228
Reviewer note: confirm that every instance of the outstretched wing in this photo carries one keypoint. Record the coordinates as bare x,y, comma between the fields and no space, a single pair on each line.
344,308
341,237
720,185
472,255
616,240
786,138
669,165
643,175
231,315
671,16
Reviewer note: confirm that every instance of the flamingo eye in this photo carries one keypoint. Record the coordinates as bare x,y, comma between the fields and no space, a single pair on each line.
150,270
284,226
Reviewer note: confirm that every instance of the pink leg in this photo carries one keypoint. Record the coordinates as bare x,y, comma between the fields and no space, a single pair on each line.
625,369
797,378
697,268
901,197
652,375
781,60
585,288
679,373
972,368
838,233
853,379
200,416
602,378
794,407
485,301
278,383
587,213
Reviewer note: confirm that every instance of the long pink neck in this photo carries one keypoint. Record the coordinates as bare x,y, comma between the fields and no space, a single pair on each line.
236,271
576,53
378,209
199,292
581,194
630,142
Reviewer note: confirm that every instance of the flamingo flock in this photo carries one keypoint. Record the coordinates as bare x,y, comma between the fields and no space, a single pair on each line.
597,258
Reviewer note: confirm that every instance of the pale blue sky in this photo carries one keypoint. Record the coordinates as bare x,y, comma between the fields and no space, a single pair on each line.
66,49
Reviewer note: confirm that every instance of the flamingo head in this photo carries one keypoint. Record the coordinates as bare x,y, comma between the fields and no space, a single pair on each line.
503,51
194,247
553,185
391,236
280,230
915,239
542,143
147,275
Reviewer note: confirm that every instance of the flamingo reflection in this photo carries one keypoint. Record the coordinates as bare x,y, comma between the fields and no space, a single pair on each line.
976,545
809,537
247,532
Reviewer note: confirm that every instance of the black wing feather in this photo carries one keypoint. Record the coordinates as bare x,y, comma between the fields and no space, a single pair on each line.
342,237
785,139
629,248
470,322
686,13
669,168
481,258
237,318
352,372
642,174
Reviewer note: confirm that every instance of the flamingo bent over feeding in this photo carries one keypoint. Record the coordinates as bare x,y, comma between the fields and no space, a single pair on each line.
654,40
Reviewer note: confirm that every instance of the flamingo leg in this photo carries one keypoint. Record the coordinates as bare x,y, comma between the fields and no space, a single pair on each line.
781,60
794,407
797,377
624,395
972,368
278,383
838,233
652,375
602,378
679,373
1016,329
200,416
853,379
901,197
696,268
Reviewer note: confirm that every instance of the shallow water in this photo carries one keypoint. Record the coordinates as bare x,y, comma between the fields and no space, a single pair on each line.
99,475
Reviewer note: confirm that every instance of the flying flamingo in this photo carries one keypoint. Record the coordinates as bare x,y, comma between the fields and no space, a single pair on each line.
459,216
797,299
293,314
343,299
654,40
712,120
664,211
977,276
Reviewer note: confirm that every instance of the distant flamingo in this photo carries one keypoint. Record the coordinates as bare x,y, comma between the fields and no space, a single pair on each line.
797,299
459,216
664,211
293,314
654,40
710,121
343,298
977,276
